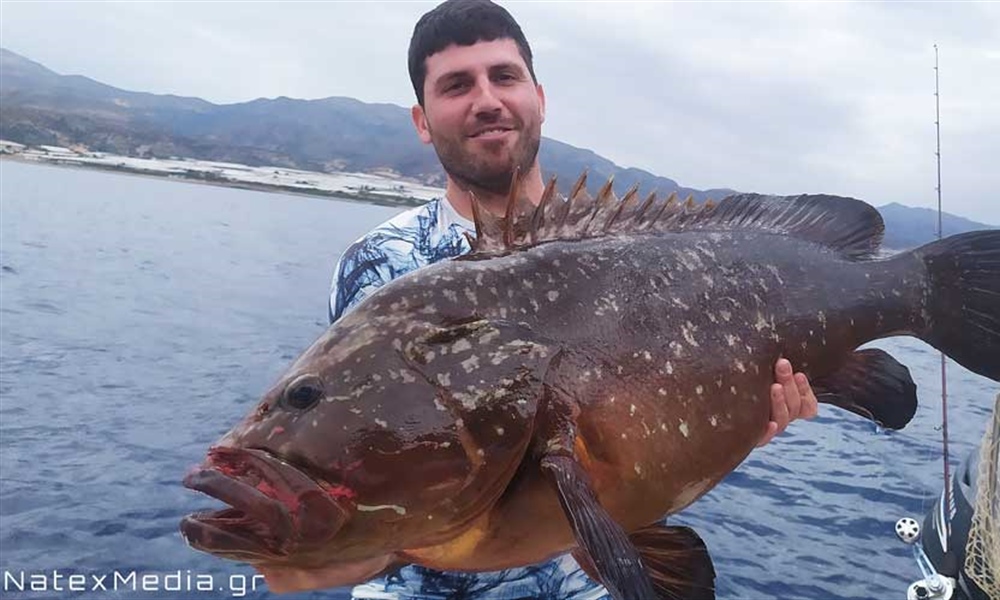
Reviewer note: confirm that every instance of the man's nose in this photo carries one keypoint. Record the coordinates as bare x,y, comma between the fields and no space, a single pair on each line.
486,98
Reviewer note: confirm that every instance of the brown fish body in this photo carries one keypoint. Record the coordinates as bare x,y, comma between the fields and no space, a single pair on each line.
668,342
636,342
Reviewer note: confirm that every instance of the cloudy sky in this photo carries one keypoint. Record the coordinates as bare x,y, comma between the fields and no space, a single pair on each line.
756,96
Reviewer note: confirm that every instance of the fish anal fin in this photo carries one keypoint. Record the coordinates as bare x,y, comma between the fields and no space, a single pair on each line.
677,561
606,547
872,384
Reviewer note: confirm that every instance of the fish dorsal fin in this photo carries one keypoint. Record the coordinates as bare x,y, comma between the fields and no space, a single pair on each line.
846,225
850,226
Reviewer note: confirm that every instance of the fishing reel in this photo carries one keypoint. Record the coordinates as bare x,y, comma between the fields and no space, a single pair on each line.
933,586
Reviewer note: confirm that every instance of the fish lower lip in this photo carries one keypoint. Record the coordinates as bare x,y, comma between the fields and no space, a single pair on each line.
248,501
230,533
275,506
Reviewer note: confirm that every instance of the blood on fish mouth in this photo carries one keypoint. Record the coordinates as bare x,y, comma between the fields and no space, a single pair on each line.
274,506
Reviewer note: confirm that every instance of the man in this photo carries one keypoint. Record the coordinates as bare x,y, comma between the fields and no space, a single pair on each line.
480,105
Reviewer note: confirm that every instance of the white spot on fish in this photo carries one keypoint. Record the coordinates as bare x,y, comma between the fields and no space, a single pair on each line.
670,368
688,330
662,392
684,428
638,469
489,336
713,420
381,423
450,295
740,366
499,430
438,405
552,296
461,346
471,296
699,390
399,510
527,283
731,339
470,364
726,315
631,410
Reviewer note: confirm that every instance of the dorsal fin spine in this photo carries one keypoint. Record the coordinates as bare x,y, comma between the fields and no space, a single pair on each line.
509,214
538,217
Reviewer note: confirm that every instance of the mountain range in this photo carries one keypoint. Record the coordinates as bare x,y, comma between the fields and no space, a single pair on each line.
41,107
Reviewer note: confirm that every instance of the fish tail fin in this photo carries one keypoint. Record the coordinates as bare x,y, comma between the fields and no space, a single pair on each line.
964,303
677,561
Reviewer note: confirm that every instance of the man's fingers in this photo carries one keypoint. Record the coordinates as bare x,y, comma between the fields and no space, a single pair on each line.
779,414
769,433
792,400
810,406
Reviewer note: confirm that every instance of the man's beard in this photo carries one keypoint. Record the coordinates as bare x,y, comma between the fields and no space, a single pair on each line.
476,173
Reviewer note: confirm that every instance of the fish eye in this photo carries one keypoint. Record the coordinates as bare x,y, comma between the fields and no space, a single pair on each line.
303,392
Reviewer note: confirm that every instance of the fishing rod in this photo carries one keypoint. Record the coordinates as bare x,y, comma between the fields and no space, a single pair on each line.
934,586
948,503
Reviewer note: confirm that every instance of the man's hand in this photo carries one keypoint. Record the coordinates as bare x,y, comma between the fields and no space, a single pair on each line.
791,398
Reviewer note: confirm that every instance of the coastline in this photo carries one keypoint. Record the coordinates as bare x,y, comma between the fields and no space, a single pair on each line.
356,187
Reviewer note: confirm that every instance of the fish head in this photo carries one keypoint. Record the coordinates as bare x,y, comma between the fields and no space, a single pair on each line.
388,433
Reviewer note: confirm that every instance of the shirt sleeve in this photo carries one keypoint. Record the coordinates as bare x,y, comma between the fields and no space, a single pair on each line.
362,269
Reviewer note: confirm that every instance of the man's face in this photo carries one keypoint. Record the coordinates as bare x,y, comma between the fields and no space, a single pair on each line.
483,113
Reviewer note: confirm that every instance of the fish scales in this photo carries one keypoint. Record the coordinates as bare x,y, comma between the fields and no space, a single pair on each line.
590,359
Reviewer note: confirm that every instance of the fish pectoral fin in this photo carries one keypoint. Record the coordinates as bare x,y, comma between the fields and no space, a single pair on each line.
677,561
607,547
872,384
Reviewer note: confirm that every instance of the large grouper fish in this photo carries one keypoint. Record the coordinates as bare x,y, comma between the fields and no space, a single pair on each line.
592,366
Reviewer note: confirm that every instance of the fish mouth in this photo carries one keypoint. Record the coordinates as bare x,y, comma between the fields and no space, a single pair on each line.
274,507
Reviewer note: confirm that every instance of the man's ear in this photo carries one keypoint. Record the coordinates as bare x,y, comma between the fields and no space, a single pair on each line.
420,122
541,100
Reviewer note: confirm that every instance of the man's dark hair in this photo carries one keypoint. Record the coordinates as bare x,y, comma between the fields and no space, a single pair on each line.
461,22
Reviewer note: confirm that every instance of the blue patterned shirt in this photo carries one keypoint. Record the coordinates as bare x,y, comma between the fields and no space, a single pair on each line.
413,239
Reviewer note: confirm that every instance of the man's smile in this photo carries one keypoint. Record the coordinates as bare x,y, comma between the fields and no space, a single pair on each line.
492,132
